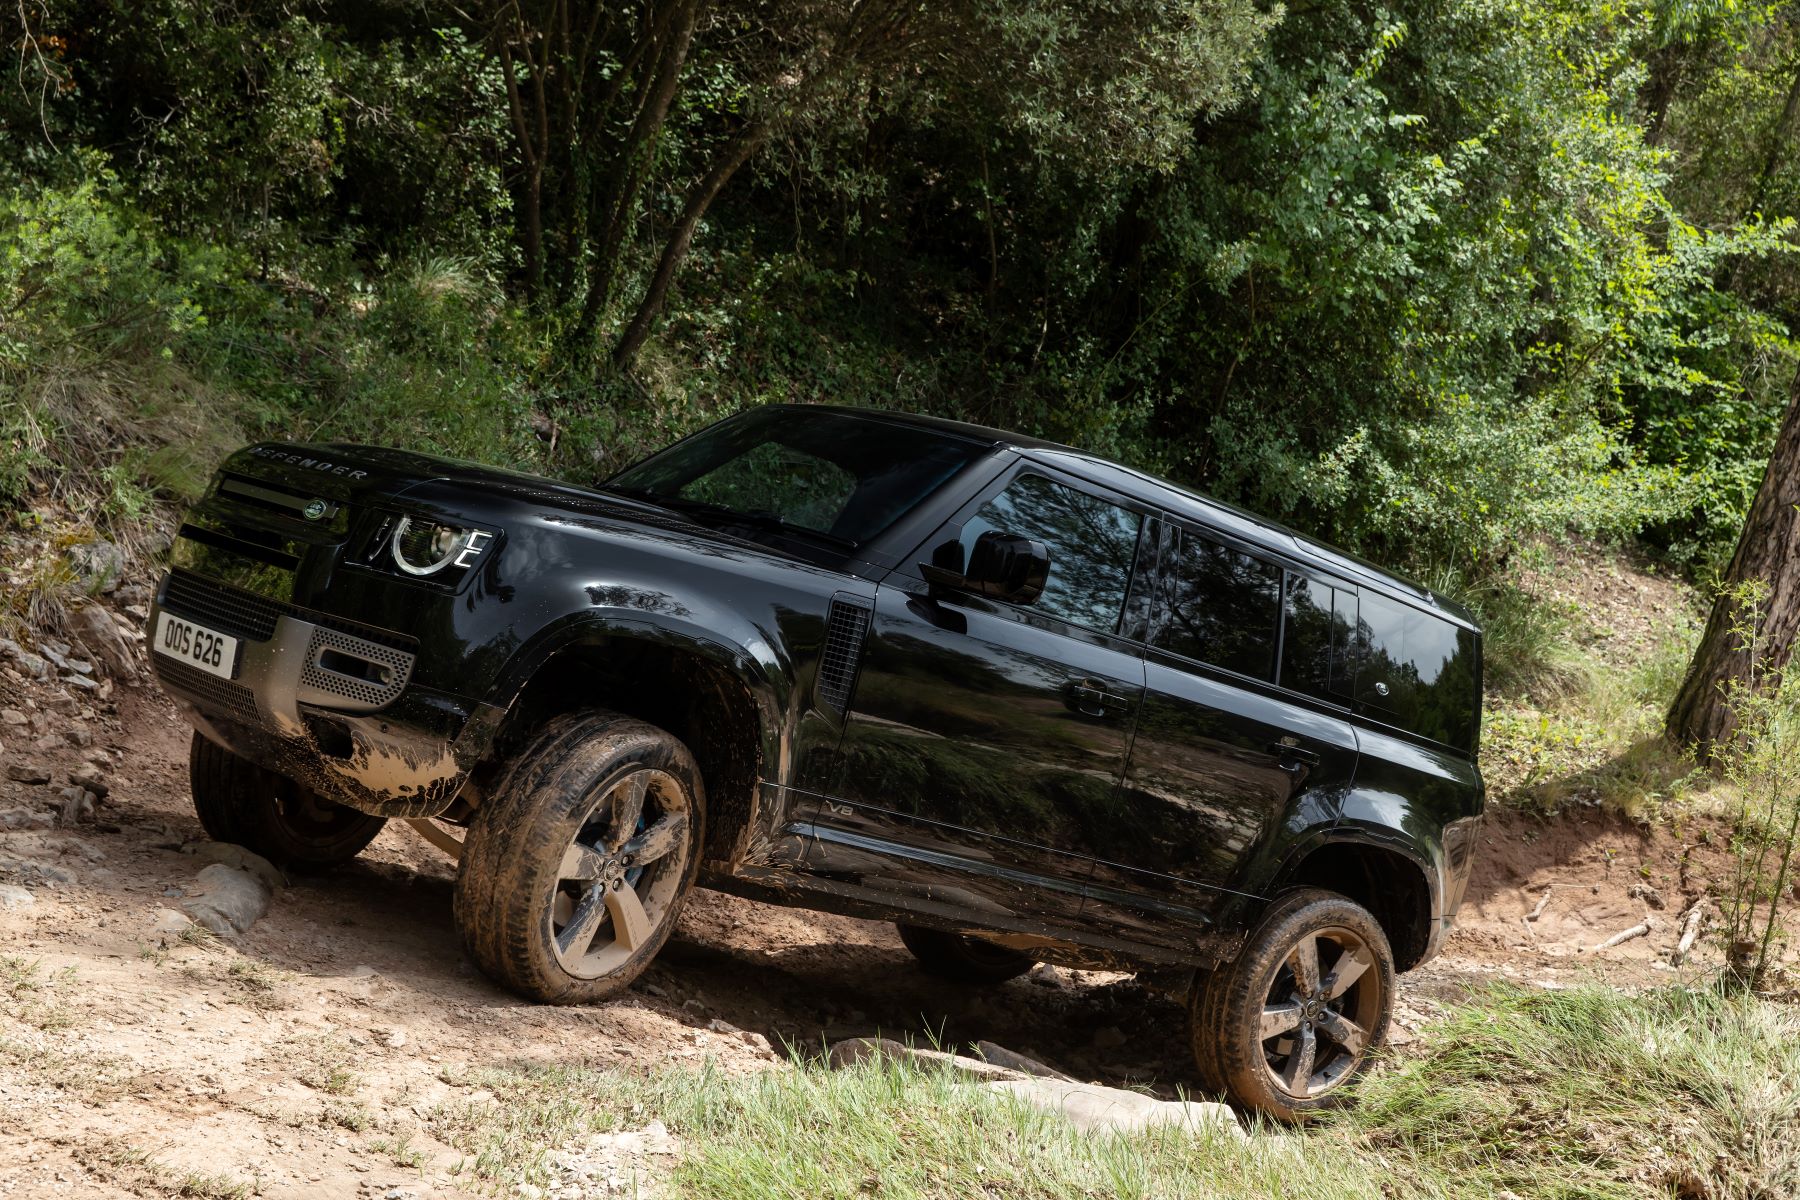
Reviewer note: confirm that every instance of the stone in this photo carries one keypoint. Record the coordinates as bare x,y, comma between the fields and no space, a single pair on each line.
26,818
33,665
50,743
77,807
12,716
29,773
394,1038
167,920
56,656
244,860
97,564
1000,1056
12,896
100,634
84,683
82,736
89,776
231,901
855,1050
1092,1108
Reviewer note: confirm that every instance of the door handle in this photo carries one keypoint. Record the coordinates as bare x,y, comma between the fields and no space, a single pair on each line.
1291,757
1094,700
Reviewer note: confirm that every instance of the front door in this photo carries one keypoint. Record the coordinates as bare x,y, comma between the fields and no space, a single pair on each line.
987,739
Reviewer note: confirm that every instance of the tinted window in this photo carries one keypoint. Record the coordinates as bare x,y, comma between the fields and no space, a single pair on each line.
1220,607
1091,544
801,487
1417,670
1315,651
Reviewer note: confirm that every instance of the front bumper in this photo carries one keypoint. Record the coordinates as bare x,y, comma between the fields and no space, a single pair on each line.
324,701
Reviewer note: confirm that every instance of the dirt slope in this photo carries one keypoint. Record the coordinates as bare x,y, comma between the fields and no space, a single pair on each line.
309,1056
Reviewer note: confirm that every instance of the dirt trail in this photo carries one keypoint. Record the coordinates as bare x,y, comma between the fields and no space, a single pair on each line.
307,1055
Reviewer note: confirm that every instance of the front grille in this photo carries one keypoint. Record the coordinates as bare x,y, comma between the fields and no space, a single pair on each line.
218,606
244,614
220,697
844,631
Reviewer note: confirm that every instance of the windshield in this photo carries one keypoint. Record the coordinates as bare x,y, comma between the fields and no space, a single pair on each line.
833,474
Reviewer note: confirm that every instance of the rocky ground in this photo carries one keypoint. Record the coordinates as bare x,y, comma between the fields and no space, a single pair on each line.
318,1053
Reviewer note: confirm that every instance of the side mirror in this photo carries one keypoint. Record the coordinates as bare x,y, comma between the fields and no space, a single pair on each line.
1004,566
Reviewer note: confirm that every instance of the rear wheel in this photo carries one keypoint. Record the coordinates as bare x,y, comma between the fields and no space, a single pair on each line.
964,959
1283,1027
576,867
284,821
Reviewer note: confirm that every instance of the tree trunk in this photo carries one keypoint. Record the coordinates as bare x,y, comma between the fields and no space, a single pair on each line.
1768,550
699,199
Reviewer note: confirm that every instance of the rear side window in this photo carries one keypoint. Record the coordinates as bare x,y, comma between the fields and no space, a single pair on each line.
1220,606
1316,649
1417,671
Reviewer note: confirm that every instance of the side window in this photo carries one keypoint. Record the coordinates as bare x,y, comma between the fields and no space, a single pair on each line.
1220,606
1418,670
1091,544
1317,648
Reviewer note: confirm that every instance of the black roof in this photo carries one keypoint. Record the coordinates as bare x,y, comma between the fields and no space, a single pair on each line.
1179,501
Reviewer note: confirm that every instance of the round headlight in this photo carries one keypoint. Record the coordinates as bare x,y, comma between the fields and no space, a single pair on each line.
426,547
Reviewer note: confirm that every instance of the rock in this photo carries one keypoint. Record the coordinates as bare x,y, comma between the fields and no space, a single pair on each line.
1110,1037
33,665
726,1027
15,897
394,1038
244,860
855,1050
1000,1056
167,920
100,634
756,1042
27,773
77,807
1093,1108
12,716
50,743
28,871
83,683
231,902
97,564
83,737
26,818
89,776
57,656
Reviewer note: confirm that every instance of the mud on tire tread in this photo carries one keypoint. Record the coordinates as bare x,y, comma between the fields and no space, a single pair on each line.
1224,1001
520,831
240,802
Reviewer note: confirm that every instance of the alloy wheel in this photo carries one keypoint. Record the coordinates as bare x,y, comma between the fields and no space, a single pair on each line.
622,872
1320,1006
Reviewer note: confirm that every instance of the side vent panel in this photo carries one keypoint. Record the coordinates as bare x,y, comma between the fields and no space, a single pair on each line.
845,628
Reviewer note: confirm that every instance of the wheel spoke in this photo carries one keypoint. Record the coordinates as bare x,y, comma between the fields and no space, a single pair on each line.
631,924
1278,1019
575,937
658,840
1347,970
1345,1032
580,862
628,806
1297,1078
1303,960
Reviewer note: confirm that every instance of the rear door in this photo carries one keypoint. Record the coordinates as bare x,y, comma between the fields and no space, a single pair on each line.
1222,752
986,741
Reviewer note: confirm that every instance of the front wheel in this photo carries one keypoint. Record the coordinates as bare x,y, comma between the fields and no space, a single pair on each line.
576,867
285,822
963,959
1283,1027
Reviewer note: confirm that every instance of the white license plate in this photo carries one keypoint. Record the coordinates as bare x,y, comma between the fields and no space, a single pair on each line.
195,645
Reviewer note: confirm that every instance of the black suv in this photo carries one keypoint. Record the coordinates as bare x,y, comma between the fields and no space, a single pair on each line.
1028,703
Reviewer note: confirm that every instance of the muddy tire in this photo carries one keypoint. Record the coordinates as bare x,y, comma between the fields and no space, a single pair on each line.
288,824
576,865
963,959
1285,1026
